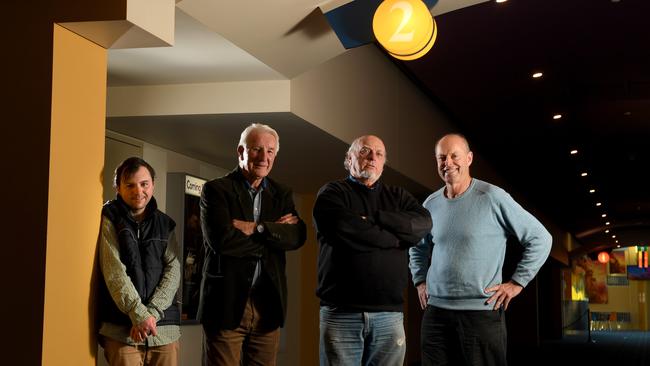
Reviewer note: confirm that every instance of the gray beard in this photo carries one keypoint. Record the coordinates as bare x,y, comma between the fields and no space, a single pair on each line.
367,174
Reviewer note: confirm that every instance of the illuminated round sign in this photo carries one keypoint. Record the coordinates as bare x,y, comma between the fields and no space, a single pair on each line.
405,28
603,257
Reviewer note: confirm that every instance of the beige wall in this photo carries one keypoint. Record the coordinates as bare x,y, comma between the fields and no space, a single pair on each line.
362,92
307,304
207,98
75,196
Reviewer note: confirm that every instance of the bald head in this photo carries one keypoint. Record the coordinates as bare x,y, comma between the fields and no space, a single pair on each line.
454,158
455,136
365,159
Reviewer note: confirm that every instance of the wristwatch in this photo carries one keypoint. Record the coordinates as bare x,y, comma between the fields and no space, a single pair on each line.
259,228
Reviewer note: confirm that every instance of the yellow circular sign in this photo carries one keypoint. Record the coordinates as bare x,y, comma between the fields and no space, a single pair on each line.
404,28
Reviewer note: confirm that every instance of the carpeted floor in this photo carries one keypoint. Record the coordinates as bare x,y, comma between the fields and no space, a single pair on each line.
629,348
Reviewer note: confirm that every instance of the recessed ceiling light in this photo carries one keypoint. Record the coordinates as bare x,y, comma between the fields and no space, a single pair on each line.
613,236
501,1
618,246
537,75
592,191
603,215
598,204
583,174
607,231
573,152
557,116
607,223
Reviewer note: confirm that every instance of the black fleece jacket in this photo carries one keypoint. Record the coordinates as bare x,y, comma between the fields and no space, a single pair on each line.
364,235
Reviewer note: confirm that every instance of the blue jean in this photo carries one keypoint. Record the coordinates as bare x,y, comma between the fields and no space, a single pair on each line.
368,339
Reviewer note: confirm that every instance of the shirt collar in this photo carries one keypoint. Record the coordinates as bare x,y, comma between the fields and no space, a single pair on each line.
249,186
355,181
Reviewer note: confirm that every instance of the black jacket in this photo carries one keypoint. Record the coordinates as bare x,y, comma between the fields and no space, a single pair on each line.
142,249
231,256
363,237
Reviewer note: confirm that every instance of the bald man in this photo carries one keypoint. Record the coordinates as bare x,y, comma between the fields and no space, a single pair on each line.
364,229
460,286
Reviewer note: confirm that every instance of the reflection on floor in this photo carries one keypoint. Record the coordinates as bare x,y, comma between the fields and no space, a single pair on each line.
629,348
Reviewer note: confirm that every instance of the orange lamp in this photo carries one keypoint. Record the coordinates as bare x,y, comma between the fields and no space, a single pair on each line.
603,257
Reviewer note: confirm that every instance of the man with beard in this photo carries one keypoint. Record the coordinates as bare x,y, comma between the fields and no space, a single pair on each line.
364,229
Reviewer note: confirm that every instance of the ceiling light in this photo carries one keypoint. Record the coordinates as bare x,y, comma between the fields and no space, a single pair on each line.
607,231
598,204
537,75
573,152
618,246
613,236
607,223
592,191
419,33
603,215
501,1
583,174
557,116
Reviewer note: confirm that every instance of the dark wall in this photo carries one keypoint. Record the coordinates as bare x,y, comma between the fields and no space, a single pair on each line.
27,81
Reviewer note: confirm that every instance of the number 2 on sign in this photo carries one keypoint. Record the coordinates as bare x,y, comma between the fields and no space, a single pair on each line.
407,11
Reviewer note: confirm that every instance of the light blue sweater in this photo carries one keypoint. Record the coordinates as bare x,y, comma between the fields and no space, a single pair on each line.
467,245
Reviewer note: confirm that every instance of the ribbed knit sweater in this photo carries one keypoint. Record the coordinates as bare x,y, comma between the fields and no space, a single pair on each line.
467,244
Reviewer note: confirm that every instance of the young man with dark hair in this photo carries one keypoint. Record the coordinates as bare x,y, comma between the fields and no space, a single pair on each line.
140,320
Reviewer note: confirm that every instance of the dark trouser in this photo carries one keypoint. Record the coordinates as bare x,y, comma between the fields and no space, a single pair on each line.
463,337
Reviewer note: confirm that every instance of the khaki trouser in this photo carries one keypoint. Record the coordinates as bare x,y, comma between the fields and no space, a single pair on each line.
121,354
257,346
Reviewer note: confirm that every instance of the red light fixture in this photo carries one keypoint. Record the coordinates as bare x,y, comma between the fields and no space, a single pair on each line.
603,257
642,257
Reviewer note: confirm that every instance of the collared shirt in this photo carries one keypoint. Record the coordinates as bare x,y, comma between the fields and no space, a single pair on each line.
353,179
256,197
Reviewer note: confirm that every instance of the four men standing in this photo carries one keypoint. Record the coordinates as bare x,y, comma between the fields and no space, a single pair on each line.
364,228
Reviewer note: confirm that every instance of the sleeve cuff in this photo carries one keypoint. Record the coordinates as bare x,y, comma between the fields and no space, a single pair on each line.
519,281
418,280
140,314
155,312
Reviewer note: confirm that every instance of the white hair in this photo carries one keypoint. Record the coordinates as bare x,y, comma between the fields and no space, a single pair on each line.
259,127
